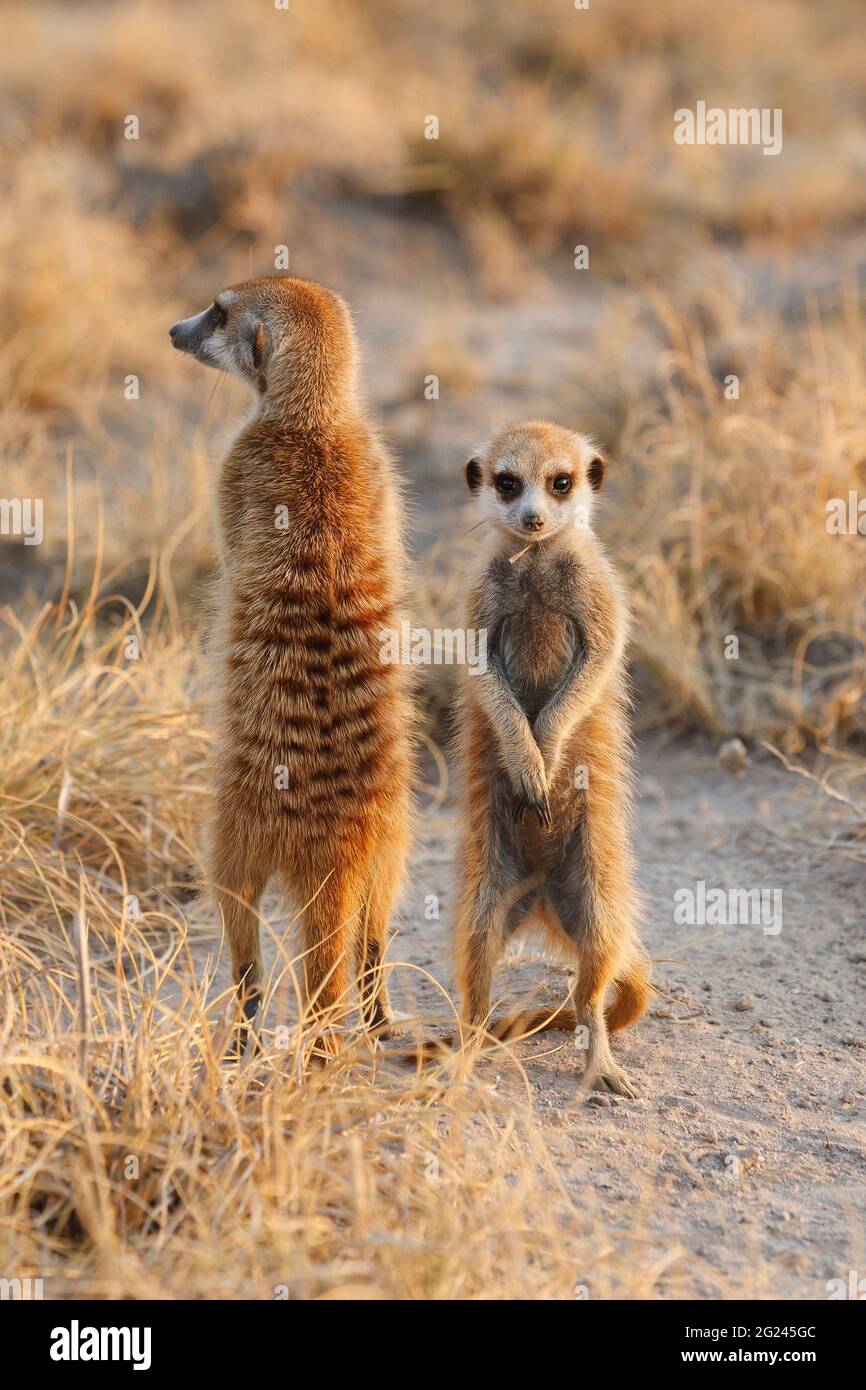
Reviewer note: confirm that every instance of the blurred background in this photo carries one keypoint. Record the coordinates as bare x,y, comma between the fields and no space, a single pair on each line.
261,133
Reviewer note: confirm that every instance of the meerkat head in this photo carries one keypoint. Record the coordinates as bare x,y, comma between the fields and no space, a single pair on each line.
291,340
535,480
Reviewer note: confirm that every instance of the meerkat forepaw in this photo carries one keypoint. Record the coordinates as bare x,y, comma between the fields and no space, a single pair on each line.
540,806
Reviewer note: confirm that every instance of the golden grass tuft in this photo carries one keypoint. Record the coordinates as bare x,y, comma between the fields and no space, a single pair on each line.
721,524
159,1171
137,1162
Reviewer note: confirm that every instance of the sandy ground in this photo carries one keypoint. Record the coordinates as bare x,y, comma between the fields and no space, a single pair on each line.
744,1155
747,1145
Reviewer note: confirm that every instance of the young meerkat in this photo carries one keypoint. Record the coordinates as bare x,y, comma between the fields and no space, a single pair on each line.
313,759
545,743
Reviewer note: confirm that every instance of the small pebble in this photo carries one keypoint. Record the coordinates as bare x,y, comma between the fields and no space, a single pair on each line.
733,757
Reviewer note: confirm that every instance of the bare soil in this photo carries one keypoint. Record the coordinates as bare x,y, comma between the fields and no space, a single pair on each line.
744,1157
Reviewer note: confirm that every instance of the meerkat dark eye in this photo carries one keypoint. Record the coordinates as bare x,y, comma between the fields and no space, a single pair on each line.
218,315
561,484
508,486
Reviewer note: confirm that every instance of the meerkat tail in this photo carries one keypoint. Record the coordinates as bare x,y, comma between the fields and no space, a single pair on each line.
519,1023
632,992
515,1026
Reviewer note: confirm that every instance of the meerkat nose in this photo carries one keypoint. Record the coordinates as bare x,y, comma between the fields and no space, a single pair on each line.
532,521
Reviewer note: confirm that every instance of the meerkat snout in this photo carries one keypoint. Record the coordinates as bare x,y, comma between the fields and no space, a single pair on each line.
229,334
536,480
194,333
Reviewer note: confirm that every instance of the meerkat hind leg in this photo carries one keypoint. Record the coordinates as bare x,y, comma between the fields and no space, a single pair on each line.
480,934
490,914
331,920
376,1012
238,893
571,894
602,1072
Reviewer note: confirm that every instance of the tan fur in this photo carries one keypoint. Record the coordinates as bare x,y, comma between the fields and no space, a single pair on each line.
302,607
552,701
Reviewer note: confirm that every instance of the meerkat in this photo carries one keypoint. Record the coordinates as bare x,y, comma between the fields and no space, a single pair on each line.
544,743
312,767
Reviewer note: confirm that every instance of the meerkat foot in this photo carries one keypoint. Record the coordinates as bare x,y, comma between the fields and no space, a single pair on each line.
326,1047
390,1027
381,1021
613,1078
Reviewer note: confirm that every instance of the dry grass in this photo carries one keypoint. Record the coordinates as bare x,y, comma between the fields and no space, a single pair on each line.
150,1169
135,1161
730,535
536,108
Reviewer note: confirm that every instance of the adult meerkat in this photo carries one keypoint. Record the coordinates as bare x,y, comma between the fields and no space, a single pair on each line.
545,742
312,761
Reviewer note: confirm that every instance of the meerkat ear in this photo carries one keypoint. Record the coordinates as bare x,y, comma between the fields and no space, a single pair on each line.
258,340
473,470
595,471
